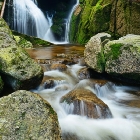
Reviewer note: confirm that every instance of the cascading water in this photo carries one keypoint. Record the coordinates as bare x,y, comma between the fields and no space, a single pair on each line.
49,35
125,123
29,19
68,22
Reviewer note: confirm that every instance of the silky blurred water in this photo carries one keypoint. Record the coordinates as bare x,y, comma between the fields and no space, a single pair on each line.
125,124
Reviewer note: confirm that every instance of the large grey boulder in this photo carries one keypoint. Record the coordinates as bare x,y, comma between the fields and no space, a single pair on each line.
17,68
93,53
84,102
25,115
123,58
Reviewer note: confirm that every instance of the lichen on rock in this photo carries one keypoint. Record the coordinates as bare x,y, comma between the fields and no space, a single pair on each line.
93,53
25,115
123,58
17,68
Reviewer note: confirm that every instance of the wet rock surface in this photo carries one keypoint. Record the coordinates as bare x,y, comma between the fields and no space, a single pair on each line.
25,115
60,67
86,103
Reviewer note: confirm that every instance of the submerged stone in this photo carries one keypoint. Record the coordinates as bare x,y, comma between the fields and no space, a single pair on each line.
25,115
60,67
86,103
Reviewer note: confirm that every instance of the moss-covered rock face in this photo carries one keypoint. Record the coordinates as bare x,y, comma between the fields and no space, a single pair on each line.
17,68
1,84
25,115
93,53
123,58
93,18
119,17
125,17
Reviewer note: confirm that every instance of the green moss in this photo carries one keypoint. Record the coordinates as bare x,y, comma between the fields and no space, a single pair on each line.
114,51
94,18
36,42
101,62
51,111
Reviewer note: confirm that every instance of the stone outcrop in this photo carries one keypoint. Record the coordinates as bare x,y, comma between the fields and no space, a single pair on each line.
25,115
17,68
125,17
123,58
93,53
85,103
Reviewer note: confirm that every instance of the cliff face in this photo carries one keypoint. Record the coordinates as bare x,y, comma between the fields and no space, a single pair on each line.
119,17
125,17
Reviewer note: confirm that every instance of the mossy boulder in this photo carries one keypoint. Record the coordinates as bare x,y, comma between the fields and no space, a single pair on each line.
17,68
123,58
84,102
6,37
1,84
93,53
25,115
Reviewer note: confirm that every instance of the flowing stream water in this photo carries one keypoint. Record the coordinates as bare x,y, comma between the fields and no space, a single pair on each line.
124,106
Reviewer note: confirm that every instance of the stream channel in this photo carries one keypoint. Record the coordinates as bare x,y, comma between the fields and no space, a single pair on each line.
123,101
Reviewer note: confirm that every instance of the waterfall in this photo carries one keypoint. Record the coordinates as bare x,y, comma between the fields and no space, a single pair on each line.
49,35
68,22
29,19
24,16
